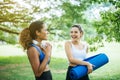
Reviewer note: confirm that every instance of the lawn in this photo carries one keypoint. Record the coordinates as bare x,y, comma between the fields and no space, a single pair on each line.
18,67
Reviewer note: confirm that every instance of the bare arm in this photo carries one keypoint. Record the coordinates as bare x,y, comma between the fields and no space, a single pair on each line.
70,57
75,61
37,67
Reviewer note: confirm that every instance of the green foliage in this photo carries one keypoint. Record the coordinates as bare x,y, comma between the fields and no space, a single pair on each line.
10,38
71,14
14,17
109,26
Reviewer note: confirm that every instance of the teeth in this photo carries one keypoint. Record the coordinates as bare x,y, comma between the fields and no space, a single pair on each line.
74,37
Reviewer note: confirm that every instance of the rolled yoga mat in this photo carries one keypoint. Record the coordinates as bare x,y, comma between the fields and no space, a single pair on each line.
81,70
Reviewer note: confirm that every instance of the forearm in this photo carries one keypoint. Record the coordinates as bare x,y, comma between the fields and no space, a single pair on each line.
43,65
78,62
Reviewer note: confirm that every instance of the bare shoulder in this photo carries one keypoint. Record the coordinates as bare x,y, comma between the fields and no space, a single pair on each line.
67,42
85,43
32,51
33,55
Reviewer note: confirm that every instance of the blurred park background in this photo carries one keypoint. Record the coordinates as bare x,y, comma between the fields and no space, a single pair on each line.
100,20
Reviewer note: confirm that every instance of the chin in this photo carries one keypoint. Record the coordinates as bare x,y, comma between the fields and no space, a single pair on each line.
74,39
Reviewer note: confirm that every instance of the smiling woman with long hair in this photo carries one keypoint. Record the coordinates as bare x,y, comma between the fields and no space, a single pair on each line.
76,51
39,57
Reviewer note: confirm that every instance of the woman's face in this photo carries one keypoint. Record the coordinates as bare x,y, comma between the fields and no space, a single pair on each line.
43,34
75,34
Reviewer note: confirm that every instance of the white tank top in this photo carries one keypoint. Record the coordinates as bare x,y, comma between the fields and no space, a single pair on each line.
79,54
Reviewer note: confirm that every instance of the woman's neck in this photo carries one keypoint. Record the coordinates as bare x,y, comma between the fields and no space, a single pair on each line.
76,42
37,42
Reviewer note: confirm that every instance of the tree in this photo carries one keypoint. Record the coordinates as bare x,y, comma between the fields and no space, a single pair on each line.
109,25
60,16
13,17
100,30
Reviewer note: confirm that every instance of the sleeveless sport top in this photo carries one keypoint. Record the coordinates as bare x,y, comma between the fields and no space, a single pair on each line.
42,55
77,53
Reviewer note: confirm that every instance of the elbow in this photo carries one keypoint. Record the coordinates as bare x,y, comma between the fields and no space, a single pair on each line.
71,60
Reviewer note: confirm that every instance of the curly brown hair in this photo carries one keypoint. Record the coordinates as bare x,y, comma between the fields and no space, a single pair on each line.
29,34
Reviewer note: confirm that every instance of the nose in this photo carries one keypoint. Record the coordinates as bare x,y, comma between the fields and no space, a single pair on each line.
73,33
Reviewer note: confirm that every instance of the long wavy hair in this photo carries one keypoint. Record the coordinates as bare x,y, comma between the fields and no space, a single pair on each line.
29,34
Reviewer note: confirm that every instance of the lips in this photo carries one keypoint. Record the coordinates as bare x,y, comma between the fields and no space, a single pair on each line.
74,37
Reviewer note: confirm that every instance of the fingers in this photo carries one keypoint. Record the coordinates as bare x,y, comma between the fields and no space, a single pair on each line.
90,71
45,45
90,68
47,48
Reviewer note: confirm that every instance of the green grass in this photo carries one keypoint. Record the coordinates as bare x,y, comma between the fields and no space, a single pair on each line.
18,67
15,68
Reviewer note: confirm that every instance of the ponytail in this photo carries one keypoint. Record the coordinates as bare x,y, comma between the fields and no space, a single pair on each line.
29,34
25,38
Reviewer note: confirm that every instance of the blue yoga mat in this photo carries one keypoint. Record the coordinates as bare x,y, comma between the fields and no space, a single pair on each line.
81,70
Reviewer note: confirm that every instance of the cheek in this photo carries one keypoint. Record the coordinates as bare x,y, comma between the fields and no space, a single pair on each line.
79,35
43,35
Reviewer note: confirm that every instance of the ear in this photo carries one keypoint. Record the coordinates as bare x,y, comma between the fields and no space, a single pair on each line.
37,32
81,34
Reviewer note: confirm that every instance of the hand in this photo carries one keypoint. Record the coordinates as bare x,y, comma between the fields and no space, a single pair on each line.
90,67
47,49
